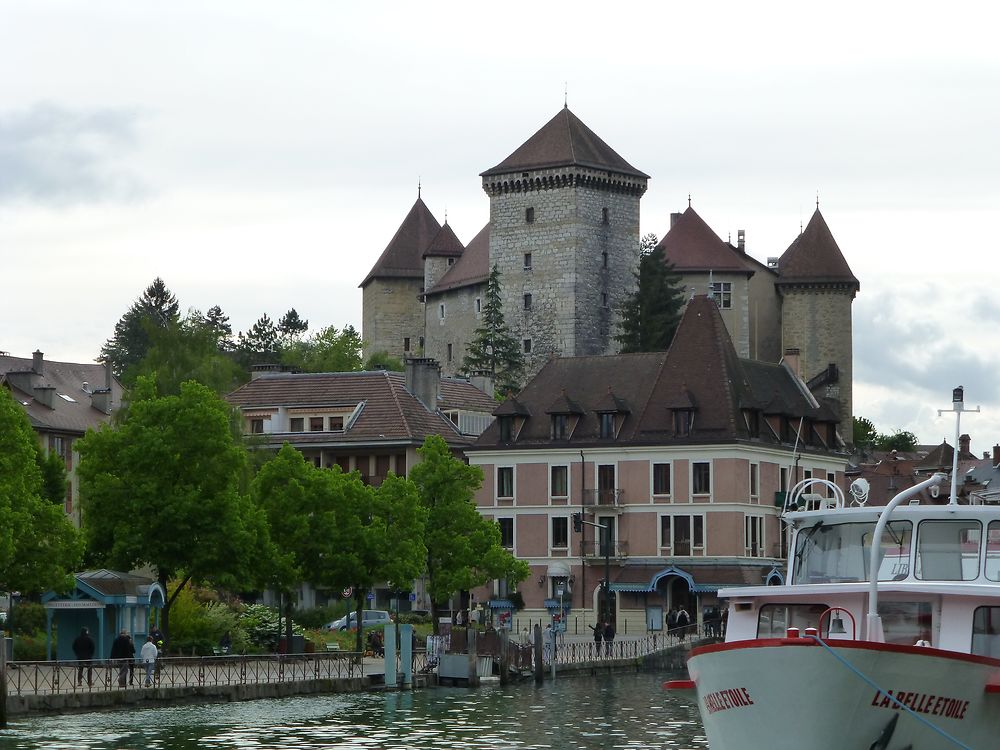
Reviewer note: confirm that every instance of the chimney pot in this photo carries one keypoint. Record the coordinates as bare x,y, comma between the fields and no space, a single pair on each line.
964,442
483,380
423,380
674,218
741,240
996,455
37,362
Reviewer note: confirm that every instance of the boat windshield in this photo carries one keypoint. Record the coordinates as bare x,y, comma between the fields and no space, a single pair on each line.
839,552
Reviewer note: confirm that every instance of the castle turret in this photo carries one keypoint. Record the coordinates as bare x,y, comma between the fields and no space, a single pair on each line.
817,288
441,255
392,311
564,232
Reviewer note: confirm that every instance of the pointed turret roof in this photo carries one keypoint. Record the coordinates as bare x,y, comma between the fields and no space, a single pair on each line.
814,257
445,244
561,142
691,245
403,256
473,267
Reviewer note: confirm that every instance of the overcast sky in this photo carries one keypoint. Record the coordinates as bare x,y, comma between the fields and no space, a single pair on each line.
259,156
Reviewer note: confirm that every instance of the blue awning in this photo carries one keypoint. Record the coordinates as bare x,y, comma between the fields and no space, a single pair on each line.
500,604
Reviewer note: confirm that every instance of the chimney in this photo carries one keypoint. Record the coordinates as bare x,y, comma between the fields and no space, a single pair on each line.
483,380
741,240
674,218
257,371
996,455
423,379
37,362
45,394
108,375
101,400
963,444
791,359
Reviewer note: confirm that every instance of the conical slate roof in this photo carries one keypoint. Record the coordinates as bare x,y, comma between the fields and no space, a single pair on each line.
561,142
814,257
445,244
403,256
691,245
473,267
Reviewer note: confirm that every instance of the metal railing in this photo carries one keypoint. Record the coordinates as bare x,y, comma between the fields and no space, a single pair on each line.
54,677
607,498
618,548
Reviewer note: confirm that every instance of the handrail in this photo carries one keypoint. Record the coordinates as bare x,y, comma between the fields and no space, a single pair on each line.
873,623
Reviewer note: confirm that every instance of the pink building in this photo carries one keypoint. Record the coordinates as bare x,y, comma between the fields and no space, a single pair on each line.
680,457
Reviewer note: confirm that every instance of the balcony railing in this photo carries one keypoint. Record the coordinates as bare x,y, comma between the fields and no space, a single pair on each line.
618,548
603,498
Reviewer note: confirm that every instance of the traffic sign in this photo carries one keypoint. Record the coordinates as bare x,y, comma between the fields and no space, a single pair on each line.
347,592
371,596
413,597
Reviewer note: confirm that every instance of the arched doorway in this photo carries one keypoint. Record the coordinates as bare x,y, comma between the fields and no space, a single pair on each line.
673,589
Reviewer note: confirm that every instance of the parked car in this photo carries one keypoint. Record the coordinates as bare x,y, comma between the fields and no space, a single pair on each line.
369,618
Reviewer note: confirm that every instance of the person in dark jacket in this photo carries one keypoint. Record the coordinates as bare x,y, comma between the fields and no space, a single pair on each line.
609,637
598,629
123,654
683,621
83,649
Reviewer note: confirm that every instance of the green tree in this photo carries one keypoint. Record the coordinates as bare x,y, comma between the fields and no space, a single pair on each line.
290,328
900,440
163,489
260,344
156,307
864,433
217,322
464,549
53,472
650,315
493,348
384,361
329,350
39,547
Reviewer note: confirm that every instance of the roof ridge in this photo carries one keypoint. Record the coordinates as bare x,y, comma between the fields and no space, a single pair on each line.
399,406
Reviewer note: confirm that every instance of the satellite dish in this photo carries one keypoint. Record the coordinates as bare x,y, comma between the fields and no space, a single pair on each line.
859,490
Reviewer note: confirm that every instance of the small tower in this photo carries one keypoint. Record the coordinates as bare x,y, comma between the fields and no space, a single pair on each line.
392,314
817,288
564,232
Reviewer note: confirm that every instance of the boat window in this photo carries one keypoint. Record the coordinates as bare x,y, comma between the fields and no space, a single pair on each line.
775,619
948,550
993,551
839,553
905,623
986,631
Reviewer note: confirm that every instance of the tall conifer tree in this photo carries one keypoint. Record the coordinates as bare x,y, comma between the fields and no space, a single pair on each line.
494,349
649,317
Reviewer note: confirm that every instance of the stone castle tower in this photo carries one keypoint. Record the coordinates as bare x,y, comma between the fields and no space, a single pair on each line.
564,233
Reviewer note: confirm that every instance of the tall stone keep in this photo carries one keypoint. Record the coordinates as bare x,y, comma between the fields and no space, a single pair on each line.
817,287
564,232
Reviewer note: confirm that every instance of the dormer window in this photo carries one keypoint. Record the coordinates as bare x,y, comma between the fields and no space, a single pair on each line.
506,425
683,422
607,425
559,427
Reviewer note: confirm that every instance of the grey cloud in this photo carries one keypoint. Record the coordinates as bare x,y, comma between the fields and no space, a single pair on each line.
54,155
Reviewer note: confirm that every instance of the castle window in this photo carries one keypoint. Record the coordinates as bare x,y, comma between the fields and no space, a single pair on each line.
421,343
527,261
406,343
441,311
479,305
449,352
722,293
604,299
527,346
529,215
604,259
604,216
527,302
451,261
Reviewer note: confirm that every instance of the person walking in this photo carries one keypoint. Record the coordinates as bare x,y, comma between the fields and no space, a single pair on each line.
122,652
683,620
609,637
83,650
598,629
547,641
672,622
148,654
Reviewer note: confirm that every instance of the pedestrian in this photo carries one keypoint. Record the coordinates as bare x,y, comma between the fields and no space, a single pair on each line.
598,629
83,649
148,655
525,636
122,652
609,637
683,620
672,621
547,644
225,643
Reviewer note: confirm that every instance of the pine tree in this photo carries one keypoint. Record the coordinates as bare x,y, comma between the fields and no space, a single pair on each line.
649,317
290,328
156,307
493,348
259,345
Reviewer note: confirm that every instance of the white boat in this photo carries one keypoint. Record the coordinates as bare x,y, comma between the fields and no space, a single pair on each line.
839,659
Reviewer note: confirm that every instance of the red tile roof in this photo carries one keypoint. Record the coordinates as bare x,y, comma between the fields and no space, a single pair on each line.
472,268
562,142
691,245
403,256
814,257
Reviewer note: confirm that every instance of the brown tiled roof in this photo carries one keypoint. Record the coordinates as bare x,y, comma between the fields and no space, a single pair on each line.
564,405
67,378
609,403
403,256
691,245
445,244
562,142
390,413
814,257
472,268
701,371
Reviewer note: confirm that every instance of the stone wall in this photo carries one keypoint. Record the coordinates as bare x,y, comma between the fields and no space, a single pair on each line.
392,312
459,326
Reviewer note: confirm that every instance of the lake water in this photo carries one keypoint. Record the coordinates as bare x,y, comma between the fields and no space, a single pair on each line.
614,711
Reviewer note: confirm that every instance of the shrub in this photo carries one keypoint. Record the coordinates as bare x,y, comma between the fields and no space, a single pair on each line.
31,647
317,617
260,624
27,618
199,622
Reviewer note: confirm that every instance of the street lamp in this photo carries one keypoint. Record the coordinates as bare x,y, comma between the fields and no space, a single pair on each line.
578,524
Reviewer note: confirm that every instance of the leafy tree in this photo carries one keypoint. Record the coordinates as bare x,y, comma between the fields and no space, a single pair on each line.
163,489
53,472
493,348
900,440
649,316
156,307
260,344
217,322
39,547
463,547
329,350
384,361
864,433
290,328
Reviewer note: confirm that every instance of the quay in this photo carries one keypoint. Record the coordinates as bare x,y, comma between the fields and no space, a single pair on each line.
52,687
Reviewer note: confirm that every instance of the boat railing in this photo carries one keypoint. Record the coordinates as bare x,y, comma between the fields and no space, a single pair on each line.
804,496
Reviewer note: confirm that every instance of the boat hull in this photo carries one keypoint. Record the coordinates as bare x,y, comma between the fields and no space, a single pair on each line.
798,694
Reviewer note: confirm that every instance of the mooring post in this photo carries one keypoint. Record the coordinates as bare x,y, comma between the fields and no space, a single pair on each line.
537,643
3,680
389,656
504,656
406,654
473,658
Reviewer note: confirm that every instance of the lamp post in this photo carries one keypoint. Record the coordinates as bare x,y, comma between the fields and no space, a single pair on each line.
578,524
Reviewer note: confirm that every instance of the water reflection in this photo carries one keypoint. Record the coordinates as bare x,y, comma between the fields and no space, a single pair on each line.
622,711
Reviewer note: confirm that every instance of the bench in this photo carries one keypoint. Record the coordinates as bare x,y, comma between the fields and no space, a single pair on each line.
330,647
